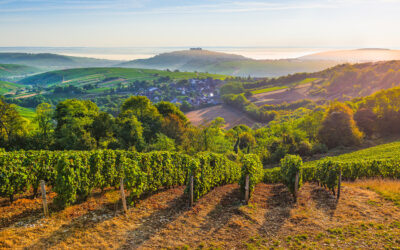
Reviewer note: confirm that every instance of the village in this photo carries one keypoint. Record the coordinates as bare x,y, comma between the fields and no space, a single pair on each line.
196,92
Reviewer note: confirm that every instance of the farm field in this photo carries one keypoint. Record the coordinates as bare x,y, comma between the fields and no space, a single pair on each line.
92,75
388,151
232,117
27,113
270,89
272,219
6,87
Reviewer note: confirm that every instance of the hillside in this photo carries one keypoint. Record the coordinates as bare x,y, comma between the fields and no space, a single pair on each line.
229,64
101,75
358,55
190,60
6,87
47,60
12,71
341,82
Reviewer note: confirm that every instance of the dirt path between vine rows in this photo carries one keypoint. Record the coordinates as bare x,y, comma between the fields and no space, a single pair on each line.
219,219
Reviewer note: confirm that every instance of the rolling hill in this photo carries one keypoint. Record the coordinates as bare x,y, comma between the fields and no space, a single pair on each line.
341,82
190,60
228,64
83,76
357,55
13,71
6,87
47,60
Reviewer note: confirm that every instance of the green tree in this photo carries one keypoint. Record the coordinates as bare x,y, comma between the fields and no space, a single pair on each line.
102,129
246,141
44,120
130,131
167,108
12,125
163,143
74,120
145,112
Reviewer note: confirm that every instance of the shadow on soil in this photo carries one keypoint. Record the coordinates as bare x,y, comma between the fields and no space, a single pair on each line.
279,206
20,219
324,200
77,225
222,212
156,222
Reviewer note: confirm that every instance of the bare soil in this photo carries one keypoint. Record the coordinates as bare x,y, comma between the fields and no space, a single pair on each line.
361,219
232,116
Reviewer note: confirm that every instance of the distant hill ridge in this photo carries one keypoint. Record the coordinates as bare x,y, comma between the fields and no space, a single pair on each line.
49,60
224,63
11,71
357,55
184,59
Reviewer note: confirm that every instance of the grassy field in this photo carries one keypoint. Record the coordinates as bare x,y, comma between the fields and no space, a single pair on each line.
15,70
266,90
93,75
388,189
6,87
27,113
384,151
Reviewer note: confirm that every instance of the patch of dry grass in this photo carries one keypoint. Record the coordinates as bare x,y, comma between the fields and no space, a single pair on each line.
218,220
389,189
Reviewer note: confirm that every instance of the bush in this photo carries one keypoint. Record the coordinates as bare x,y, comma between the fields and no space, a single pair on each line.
319,148
304,148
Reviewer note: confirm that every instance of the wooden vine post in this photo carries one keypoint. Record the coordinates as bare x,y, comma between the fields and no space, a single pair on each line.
123,196
247,189
296,184
339,184
44,199
191,198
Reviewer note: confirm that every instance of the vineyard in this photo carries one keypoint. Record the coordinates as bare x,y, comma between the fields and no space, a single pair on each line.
74,174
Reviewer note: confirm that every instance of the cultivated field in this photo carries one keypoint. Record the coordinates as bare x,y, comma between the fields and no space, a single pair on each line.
232,116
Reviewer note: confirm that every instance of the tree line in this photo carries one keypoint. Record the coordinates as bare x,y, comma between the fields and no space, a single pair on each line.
140,125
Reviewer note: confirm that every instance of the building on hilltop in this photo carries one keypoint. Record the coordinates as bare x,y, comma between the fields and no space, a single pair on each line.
196,49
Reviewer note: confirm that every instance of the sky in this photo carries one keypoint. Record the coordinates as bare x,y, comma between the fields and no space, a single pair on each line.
147,23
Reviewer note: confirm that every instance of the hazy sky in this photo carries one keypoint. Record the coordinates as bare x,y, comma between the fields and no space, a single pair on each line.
285,23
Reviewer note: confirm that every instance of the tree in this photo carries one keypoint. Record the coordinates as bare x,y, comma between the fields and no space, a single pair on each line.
214,138
146,113
246,141
44,120
74,120
167,108
12,124
174,127
163,143
130,131
366,120
339,128
102,129
186,106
